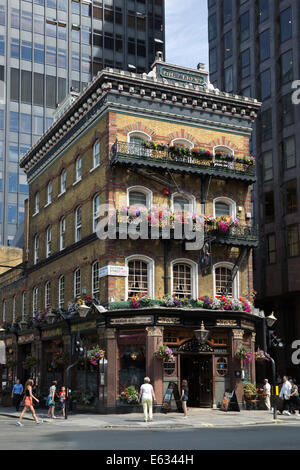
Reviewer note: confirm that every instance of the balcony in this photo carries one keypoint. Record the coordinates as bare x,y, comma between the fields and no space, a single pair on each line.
201,163
159,228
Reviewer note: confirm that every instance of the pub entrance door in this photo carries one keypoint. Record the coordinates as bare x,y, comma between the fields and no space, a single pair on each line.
197,370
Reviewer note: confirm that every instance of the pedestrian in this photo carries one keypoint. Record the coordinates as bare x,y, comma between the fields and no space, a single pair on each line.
285,395
62,400
267,394
17,393
147,394
29,403
294,398
51,400
184,396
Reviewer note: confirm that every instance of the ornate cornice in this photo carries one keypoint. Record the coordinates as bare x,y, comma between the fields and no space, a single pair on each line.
146,88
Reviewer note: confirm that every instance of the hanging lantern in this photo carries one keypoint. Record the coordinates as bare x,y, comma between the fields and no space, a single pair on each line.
166,191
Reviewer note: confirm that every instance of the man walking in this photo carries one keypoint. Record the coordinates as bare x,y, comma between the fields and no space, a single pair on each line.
267,394
147,394
16,395
285,393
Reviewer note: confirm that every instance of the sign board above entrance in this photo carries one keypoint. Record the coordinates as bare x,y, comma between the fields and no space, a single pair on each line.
111,270
183,76
131,320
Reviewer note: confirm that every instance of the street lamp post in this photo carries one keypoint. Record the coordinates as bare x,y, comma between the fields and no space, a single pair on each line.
269,321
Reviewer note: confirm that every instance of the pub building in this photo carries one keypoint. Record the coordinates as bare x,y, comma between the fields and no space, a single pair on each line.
147,145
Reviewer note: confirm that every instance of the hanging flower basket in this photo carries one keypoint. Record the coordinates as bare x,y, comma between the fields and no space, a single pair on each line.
245,355
30,362
11,364
95,355
60,359
259,356
164,353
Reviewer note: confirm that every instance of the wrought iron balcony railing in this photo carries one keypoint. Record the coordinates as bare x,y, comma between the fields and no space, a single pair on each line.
132,154
238,235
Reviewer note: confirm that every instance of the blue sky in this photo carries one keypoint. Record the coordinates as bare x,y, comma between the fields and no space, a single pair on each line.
186,32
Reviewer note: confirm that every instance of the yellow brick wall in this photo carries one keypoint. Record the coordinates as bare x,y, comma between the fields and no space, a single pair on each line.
112,185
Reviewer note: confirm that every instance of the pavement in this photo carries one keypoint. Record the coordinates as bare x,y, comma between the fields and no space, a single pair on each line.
197,418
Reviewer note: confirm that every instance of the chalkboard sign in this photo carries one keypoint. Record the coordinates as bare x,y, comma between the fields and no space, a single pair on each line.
166,403
230,402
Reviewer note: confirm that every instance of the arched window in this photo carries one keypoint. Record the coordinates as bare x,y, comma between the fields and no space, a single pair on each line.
96,206
36,249
4,310
78,223
49,193
96,154
47,294
23,305
77,283
140,276
223,284
63,179
35,295
139,196
36,203
14,308
62,233
95,280
183,202
186,144
183,143
78,169
223,156
48,241
135,141
184,279
61,292
224,206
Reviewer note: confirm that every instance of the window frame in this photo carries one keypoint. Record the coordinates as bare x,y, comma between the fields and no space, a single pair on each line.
194,275
150,273
77,283
236,282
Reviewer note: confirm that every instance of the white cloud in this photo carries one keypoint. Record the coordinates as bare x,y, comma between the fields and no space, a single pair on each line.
186,32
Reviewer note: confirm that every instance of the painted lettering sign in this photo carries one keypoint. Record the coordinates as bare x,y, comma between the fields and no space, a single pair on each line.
26,338
169,320
226,323
131,320
51,333
84,326
188,77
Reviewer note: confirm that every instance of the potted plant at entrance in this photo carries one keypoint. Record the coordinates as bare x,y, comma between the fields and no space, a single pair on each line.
129,395
250,390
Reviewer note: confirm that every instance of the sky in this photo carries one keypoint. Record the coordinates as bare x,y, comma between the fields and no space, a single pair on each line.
186,32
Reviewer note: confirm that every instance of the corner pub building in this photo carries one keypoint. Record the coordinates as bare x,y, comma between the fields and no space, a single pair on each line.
140,143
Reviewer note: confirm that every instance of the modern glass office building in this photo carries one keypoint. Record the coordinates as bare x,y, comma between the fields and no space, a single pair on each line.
254,51
47,48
